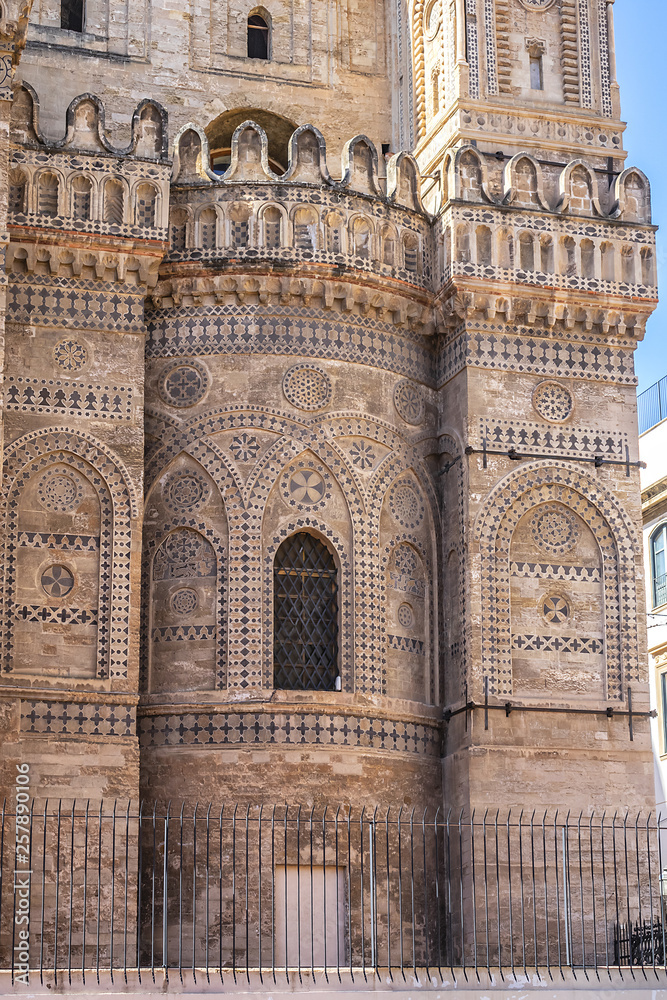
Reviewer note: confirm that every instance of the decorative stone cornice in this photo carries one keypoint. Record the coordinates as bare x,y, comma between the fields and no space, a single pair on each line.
342,296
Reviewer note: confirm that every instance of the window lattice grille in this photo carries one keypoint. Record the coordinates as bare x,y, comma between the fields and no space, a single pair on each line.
305,616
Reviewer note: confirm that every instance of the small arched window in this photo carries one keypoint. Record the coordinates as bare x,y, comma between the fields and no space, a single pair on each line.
305,581
81,195
258,37
72,15
659,566
47,194
114,203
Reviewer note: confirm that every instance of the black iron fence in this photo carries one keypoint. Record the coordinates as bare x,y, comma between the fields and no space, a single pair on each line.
296,891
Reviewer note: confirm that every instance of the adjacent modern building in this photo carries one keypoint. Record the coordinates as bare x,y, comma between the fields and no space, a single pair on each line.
652,406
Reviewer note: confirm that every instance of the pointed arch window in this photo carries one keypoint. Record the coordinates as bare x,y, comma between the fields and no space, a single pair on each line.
258,37
305,582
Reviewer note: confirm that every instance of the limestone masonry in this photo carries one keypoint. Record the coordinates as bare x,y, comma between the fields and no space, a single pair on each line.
319,429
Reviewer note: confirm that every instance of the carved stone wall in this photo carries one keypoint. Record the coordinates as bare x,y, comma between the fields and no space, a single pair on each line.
218,338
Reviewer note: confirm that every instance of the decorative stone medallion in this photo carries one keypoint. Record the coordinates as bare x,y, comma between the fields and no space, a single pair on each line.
184,601
306,488
245,447
57,581
185,491
409,401
307,387
432,19
555,609
406,505
537,4
59,491
363,455
406,616
184,554
553,401
555,529
183,384
70,355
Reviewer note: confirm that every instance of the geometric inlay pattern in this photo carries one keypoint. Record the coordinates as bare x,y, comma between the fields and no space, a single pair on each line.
70,399
405,644
291,728
57,581
183,385
553,401
245,448
556,644
555,609
406,505
406,616
77,719
185,491
409,401
547,571
555,529
184,554
309,486
70,355
307,387
184,601
59,491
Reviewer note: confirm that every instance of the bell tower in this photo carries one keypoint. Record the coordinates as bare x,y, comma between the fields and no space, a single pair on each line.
513,75
546,278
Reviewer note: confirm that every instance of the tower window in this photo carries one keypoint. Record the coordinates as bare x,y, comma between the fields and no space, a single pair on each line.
72,15
659,566
258,37
305,581
536,73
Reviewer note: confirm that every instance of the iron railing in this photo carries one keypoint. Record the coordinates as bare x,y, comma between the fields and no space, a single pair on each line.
652,405
298,892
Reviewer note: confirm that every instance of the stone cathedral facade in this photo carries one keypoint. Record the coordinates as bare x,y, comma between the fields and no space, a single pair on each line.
320,465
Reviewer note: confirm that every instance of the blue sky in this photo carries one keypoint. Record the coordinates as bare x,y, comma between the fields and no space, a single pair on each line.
641,37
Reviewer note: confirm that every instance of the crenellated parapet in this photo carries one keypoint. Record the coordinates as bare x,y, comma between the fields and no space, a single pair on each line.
250,215
553,244
83,185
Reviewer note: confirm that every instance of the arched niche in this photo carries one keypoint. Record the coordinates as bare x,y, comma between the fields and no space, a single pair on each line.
557,614
278,131
405,537
185,580
57,593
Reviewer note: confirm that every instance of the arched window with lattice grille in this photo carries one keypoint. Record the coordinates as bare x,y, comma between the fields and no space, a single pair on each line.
305,582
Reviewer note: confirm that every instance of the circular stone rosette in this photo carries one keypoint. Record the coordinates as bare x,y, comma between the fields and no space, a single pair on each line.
537,4
185,491
409,401
183,384
553,401
555,529
307,387
60,490
406,505
184,601
555,609
406,616
308,487
57,581
70,355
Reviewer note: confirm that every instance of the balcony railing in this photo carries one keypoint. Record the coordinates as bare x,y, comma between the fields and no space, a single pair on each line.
659,590
300,892
652,405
